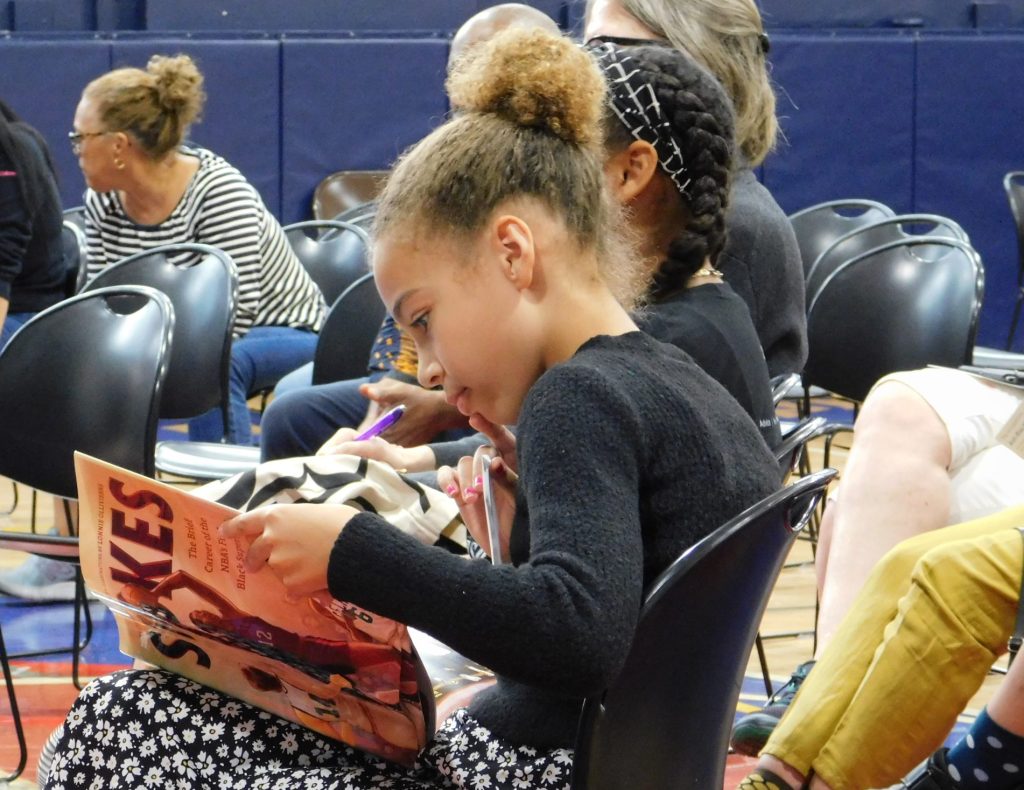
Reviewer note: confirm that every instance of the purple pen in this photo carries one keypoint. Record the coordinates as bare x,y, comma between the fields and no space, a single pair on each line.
385,421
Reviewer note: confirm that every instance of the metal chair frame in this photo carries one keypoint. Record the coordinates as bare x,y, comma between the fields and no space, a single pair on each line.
51,469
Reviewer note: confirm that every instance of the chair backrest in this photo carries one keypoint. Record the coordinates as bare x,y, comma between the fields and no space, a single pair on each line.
1013,183
202,284
665,722
76,216
792,445
335,257
75,257
361,216
346,339
888,310
816,227
877,234
86,374
345,189
781,385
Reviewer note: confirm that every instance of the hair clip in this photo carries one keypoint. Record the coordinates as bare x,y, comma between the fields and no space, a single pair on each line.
766,43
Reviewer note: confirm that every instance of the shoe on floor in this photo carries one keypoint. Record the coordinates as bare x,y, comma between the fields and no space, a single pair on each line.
751,732
39,579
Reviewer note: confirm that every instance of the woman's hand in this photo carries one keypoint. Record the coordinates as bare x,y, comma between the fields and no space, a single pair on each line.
426,411
464,484
295,541
408,459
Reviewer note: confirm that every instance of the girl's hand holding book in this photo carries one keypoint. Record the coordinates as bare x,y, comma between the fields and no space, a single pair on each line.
294,541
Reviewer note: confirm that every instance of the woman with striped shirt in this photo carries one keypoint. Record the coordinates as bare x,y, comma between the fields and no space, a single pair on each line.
147,189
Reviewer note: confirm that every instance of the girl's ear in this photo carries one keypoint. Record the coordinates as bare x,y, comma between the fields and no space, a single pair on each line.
631,170
514,244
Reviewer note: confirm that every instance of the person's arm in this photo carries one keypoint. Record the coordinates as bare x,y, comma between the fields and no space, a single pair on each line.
563,619
427,413
180,580
15,232
231,219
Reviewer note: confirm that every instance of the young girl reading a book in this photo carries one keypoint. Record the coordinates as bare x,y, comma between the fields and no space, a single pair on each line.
496,248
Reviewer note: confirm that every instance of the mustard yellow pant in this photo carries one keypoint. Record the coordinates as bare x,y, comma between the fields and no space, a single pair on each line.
916,645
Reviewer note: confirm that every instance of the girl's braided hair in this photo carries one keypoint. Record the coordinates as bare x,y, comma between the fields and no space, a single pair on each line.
700,122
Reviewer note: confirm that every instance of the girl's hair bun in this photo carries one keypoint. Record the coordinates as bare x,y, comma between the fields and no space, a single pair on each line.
532,78
179,85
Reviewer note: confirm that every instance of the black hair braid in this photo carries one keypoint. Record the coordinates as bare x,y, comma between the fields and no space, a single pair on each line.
706,145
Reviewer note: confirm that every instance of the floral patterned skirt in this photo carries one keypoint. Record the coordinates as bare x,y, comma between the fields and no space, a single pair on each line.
154,729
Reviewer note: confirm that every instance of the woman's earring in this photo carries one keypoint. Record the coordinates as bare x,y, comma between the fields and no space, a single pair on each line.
119,163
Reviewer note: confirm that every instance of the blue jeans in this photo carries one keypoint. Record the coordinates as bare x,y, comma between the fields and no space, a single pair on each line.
299,421
300,378
258,361
13,323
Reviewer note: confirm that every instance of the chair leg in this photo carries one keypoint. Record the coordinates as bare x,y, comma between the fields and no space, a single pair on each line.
1014,319
19,729
14,503
81,608
763,659
79,644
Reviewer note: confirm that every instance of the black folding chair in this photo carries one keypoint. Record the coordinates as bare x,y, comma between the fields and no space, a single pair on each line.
654,727
86,374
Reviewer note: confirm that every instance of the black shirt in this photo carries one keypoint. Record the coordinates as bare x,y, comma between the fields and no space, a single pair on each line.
761,261
32,273
712,324
628,453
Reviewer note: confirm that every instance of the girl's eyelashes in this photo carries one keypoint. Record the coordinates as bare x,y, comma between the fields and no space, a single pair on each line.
421,321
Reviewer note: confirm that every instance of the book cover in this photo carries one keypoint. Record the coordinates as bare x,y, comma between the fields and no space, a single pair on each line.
184,601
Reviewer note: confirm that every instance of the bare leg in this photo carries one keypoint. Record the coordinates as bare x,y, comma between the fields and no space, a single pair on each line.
895,486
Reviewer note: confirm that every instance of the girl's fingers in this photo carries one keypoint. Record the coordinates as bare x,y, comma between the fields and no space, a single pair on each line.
245,524
259,554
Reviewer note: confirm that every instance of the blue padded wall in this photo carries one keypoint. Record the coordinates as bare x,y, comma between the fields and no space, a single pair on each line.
54,14
970,116
242,119
120,14
845,106
553,8
308,14
353,104
921,14
921,121
42,81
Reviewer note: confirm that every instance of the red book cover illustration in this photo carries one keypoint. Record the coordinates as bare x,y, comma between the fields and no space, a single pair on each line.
184,601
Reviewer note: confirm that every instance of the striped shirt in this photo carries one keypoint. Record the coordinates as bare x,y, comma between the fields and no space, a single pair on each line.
222,209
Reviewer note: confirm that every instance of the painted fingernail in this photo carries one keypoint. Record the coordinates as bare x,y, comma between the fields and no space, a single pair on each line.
479,480
452,489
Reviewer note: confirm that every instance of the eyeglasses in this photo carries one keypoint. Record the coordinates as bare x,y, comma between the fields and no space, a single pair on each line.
762,39
623,41
77,137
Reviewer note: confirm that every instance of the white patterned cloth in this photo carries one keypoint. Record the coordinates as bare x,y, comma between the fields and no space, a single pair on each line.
154,729
418,510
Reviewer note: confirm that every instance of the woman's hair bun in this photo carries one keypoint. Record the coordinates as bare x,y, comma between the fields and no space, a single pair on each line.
179,85
532,78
